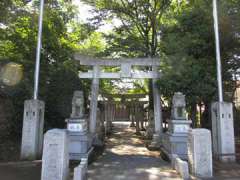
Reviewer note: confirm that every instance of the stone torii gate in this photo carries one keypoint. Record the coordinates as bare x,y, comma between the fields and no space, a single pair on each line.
126,71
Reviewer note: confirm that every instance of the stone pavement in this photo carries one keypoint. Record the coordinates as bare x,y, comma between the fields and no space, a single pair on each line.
126,158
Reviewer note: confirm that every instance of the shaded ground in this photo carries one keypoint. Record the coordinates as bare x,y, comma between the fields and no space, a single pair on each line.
9,149
20,171
226,171
126,158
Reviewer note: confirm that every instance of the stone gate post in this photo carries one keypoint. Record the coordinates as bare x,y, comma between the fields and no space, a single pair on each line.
94,99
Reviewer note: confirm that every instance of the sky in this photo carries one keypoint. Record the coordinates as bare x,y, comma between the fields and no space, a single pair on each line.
85,13
84,10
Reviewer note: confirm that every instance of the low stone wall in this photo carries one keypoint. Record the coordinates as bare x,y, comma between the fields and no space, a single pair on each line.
80,172
180,166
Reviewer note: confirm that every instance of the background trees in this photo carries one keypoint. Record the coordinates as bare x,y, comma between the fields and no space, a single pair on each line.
59,73
180,33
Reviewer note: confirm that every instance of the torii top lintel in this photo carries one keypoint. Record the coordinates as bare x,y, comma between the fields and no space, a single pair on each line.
126,68
89,61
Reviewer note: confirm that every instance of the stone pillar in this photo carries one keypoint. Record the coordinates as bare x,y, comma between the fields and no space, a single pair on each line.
32,132
131,114
142,116
55,161
107,117
94,99
157,113
100,126
150,127
157,108
98,140
137,118
98,122
223,131
112,112
200,152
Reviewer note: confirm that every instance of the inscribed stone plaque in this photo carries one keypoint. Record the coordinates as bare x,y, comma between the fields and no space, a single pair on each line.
181,128
200,152
55,160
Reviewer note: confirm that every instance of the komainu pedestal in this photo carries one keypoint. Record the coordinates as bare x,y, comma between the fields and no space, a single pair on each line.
80,140
174,141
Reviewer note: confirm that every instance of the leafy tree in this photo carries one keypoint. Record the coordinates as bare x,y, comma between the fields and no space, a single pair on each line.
189,63
139,32
62,37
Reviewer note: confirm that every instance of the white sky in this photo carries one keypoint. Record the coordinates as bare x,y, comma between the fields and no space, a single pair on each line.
85,13
83,10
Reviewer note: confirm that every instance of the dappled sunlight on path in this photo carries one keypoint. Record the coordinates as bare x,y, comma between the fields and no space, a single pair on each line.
126,158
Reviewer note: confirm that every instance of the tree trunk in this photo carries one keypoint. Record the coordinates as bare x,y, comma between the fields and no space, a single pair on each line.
193,115
206,116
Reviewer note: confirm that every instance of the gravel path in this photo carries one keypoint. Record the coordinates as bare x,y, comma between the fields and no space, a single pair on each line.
126,158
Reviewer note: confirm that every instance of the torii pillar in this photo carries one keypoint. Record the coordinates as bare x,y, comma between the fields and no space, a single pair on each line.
157,113
94,100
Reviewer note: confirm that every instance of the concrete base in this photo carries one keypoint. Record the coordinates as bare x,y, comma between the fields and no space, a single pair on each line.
32,132
180,166
80,172
79,145
175,144
223,132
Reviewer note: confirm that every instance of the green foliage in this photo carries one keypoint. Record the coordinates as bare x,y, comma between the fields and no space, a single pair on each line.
140,23
62,36
93,45
188,63
180,32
